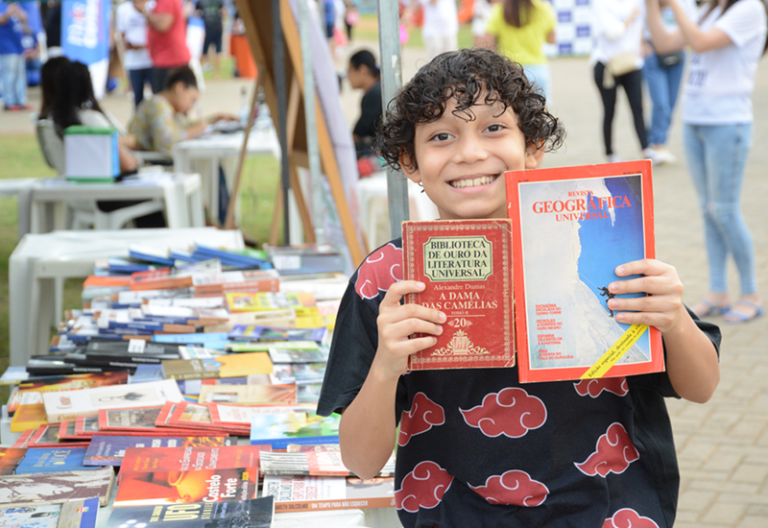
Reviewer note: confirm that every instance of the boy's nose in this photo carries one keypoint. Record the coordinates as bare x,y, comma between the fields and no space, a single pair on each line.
470,150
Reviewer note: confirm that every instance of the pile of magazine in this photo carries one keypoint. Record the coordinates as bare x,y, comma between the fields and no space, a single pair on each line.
184,389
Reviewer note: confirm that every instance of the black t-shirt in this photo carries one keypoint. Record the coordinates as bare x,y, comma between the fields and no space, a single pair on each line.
477,448
210,11
370,113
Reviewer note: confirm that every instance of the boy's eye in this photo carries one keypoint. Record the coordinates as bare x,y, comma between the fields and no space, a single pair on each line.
441,137
495,128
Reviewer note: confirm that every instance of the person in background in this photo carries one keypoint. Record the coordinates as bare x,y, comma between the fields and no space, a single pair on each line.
48,76
617,27
363,74
166,38
441,26
519,29
351,18
727,42
74,103
212,12
329,19
663,73
481,12
132,27
53,28
13,25
162,121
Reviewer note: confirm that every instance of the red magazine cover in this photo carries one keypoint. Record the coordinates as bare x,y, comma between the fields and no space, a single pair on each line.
48,436
23,439
191,458
88,426
169,487
166,411
467,268
198,416
140,419
67,431
573,226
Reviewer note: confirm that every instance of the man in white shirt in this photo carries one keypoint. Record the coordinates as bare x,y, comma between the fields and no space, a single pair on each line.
441,26
132,26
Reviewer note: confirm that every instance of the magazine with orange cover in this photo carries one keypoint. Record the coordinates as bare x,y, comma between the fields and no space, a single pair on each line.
10,458
573,226
467,269
191,457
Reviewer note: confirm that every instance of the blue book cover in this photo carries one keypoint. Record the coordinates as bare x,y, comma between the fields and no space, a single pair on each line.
148,257
281,429
146,372
53,460
215,340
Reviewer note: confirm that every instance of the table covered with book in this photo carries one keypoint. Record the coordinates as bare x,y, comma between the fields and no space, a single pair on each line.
185,389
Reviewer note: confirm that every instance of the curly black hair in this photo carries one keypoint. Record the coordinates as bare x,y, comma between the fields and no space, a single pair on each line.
466,75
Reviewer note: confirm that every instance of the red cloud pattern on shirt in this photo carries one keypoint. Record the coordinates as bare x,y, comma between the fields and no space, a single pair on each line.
424,414
594,387
381,269
628,518
423,487
511,412
513,487
614,453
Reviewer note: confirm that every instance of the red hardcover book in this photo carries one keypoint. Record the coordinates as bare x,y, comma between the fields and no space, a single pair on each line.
191,458
467,267
205,485
573,226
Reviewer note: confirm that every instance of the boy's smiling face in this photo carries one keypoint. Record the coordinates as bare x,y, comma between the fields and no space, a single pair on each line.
461,163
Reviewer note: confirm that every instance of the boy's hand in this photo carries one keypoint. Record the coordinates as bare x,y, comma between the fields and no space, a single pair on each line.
662,308
397,322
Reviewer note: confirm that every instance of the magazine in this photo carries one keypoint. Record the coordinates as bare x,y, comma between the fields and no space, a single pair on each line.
251,513
110,450
305,493
57,487
573,227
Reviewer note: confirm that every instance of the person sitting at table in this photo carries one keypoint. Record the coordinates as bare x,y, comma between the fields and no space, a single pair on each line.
74,103
363,74
162,121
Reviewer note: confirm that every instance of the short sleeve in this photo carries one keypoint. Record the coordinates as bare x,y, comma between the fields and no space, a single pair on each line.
742,22
495,20
355,340
120,19
660,381
172,7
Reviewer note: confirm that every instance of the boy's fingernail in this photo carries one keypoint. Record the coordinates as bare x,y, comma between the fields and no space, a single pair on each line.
612,303
420,285
613,286
619,270
439,330
442,317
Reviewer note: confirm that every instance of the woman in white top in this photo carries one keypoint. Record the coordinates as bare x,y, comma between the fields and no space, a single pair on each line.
617,27
727,43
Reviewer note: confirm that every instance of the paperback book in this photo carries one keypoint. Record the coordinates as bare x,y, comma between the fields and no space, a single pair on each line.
52,460
279,430
57,487
325,463
251,513
10,458
282,355
191,458
593,219
79,512
225,366
467,268
110,450
48,436
273,333
249,394
305,493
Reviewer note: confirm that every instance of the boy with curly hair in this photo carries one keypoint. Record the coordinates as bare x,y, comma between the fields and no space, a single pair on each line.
475,447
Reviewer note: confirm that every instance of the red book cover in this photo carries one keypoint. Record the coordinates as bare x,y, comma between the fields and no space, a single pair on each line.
10,457
573,226
191,458
169,487
24,438
139,419
197,416
467,267
67,431
48,436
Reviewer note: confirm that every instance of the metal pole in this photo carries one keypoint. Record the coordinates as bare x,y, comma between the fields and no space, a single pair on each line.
318,209
281,90
391,80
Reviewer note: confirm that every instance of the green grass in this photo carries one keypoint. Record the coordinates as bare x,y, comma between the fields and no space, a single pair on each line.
20,157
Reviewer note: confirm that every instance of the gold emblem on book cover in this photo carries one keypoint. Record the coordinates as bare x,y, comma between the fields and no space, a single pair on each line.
460,345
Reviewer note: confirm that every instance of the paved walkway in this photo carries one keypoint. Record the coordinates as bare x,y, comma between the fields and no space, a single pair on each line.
723,445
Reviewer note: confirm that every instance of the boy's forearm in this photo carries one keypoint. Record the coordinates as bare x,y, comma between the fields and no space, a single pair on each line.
692,363
367,428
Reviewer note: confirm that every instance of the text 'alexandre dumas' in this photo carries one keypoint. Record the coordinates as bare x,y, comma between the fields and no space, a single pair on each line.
458,258
581,205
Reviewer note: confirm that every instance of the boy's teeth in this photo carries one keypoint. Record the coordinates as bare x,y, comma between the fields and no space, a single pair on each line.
474,182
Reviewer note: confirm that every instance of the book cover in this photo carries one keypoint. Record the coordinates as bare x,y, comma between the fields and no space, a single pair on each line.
224,366
593,219
67,430
249,394
252,513
191,458
282,355
48,436
265,346
239,417
171,487
74,382
52,460
28,417
467,268
273,333
57,487
80,512
279,430
146,373
23,439
10,458
255,301
110,450
305,493
67,405
320,463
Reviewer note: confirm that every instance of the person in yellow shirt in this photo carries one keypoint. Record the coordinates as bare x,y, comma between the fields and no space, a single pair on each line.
519,29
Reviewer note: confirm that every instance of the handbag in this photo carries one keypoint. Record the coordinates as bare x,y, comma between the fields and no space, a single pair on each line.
667,60
622,64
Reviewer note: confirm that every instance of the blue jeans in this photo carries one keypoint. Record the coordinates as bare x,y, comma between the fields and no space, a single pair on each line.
14,74
663,87
540,75
138,79
717,156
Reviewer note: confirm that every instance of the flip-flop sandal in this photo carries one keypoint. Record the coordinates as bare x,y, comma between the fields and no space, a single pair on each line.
732,316
712,309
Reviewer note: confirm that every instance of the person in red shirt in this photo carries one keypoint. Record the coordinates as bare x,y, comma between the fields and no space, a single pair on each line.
166,38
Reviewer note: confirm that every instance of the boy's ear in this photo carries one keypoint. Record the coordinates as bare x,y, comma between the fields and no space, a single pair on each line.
412,174
533,154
